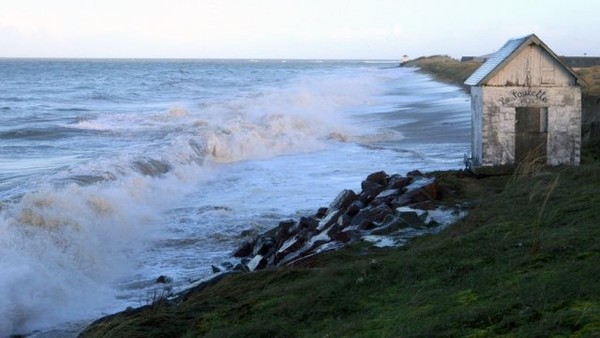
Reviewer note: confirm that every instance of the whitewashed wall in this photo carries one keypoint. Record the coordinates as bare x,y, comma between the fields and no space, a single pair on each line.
494,122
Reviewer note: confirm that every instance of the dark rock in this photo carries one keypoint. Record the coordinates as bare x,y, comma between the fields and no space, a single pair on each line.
162,279
368,217
314,243
369,192
241,268
386,196
285,260
425,205
421,197
390,224
367,224
342,201
432,190
286,224
411,218
414,173
321,213
354,208
329,220
249,233
244,250
257,263
398,182
225,266
344,221
263,245
291,245
378,213
284,231
377,210
333,230
379,178
308,223
345,236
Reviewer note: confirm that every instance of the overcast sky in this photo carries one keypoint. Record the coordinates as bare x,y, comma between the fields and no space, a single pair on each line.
286,29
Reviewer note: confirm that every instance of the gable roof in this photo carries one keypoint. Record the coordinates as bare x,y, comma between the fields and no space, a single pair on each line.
505,54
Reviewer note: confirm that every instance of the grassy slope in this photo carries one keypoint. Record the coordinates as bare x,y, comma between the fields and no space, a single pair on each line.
445,68
524,262
591,78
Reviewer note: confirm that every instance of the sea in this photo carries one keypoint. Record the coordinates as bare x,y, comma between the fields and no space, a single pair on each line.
114,172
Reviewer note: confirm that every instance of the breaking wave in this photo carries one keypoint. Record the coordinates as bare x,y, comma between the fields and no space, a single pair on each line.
67,243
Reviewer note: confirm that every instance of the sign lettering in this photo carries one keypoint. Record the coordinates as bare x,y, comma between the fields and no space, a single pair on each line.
527,95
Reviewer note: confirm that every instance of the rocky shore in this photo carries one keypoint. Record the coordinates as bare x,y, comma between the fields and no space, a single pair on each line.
389,210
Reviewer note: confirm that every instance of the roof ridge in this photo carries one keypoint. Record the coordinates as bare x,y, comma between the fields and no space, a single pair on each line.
496,59
505,53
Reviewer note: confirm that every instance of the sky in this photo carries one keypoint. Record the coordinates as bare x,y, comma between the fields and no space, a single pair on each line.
290,29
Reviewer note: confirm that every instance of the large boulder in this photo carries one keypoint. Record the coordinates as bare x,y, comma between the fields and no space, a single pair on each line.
263,245
372,186
342,201
368,217
422,196
379,178
244,250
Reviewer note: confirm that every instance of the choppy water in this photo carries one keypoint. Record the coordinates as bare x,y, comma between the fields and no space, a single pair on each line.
114,172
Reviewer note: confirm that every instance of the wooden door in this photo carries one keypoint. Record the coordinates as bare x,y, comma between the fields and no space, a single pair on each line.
531,134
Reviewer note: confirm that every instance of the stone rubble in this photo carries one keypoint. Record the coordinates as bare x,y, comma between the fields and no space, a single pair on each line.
387,211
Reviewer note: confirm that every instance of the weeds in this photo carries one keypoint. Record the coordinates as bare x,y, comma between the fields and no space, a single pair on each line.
529,165
536,244
156,297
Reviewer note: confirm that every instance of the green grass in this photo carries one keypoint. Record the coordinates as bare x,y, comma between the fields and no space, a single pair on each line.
591,79
445,68
524,263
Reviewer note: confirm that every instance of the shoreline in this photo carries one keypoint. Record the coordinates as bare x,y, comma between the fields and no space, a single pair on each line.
494,186
388,212
416,288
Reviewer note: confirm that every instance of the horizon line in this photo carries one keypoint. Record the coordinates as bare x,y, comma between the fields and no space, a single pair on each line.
189,58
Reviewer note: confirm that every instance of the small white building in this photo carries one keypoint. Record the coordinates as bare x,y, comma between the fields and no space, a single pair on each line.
525,101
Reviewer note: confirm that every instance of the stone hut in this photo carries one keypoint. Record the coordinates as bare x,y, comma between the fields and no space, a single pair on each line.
525,102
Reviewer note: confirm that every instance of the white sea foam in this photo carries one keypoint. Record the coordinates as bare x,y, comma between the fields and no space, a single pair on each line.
63,249
166,186
65,246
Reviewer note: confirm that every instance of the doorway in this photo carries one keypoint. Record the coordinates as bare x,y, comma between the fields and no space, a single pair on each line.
531,134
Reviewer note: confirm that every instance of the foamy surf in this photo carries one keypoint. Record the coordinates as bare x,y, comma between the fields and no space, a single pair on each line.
160,174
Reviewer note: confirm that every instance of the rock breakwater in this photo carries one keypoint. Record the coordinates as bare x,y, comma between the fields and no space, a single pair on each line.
389,210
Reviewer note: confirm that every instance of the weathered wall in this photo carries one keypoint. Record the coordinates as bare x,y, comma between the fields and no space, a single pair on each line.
476,115
498,122
532,67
